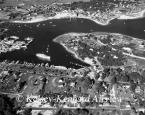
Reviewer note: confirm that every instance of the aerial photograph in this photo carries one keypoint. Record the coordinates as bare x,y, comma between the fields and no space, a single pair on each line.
72,57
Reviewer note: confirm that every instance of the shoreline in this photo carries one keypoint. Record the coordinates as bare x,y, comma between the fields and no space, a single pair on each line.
65,15
62,15
137,15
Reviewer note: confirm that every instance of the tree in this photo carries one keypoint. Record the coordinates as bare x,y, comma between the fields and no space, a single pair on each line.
2,1
7,105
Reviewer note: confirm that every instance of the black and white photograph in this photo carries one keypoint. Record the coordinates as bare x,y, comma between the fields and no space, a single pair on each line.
72,57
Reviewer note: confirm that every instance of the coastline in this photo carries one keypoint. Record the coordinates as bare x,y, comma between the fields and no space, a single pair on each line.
64,15
137,15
